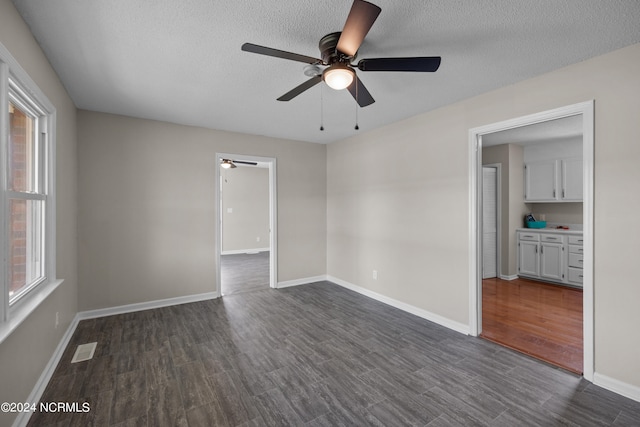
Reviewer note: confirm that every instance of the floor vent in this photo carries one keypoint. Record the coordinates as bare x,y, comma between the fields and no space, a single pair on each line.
84,352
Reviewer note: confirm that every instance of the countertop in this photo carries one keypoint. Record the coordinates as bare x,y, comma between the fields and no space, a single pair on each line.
551,230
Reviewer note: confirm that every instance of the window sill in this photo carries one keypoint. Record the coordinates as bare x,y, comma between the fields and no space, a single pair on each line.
26,307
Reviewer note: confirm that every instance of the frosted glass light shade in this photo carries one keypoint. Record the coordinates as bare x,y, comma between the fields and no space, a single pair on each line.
338,76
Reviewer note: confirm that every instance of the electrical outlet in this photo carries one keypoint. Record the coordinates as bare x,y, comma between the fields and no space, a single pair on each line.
258,239
57,319
375,274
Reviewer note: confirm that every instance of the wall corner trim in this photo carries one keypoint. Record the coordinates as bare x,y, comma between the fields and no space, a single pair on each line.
624,389
432,317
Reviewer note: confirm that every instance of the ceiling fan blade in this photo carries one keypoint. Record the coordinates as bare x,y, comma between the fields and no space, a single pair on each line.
261,50
301,88
362,96
245,163
361,17
419,64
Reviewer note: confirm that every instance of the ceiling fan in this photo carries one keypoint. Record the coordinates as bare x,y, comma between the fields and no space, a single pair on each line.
339,49
230,164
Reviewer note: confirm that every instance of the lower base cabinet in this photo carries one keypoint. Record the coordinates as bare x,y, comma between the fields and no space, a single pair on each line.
550,256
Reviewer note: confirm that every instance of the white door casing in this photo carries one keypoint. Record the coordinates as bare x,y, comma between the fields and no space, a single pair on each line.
586,110
273,215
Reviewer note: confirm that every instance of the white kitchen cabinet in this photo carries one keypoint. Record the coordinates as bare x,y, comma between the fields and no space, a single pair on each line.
558,180
541,181
575,260
572,180
528,259
551,256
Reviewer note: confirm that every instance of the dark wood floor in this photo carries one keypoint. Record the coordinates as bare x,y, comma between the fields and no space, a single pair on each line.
244,272
540,319
313,355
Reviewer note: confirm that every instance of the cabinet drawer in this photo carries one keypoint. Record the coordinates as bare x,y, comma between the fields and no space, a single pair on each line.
576,240
552,238
533,237
573,249
575,275
576,260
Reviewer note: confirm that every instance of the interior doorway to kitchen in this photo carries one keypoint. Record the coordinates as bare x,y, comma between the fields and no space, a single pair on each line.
245,242
477,138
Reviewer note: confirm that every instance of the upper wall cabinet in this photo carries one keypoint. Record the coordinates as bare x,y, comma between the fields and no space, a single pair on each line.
558,180
571,180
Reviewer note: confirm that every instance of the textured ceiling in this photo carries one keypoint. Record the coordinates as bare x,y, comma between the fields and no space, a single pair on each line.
180,61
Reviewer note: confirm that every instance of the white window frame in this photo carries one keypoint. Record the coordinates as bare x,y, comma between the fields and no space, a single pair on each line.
16,86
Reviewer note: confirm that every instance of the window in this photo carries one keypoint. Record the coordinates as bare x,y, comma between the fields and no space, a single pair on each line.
27,199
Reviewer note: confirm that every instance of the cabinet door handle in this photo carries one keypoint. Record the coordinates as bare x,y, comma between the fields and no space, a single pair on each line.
580,260
552,238
563,193
528,237
554,194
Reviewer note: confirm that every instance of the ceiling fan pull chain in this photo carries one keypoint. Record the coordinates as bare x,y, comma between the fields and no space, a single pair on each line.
356,81
321,110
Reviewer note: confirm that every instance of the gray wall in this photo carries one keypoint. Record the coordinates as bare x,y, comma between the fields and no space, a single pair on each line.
410,221
25,353
147,209
245,190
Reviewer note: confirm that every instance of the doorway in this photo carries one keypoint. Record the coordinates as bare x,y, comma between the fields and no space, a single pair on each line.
246,249
586,111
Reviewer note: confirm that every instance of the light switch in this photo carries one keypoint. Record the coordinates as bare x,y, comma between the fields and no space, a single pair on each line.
229,210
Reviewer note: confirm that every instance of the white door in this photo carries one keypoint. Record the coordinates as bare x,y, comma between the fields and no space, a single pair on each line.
489,222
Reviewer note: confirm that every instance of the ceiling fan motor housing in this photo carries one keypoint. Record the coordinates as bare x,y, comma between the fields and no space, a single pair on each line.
330,54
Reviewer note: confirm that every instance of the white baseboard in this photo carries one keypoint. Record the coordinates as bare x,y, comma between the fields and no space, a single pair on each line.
130,308
23,417
617,386
432,317
505,277
304,281
244,251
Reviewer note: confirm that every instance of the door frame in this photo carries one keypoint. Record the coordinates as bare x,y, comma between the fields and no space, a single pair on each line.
498,168
586,109
273,216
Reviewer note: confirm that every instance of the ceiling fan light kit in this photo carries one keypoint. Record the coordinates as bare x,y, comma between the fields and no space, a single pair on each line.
338,49
338,76
230,164
227,164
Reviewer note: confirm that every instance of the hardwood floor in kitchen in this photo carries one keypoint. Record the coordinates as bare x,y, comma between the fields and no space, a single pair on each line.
539,319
